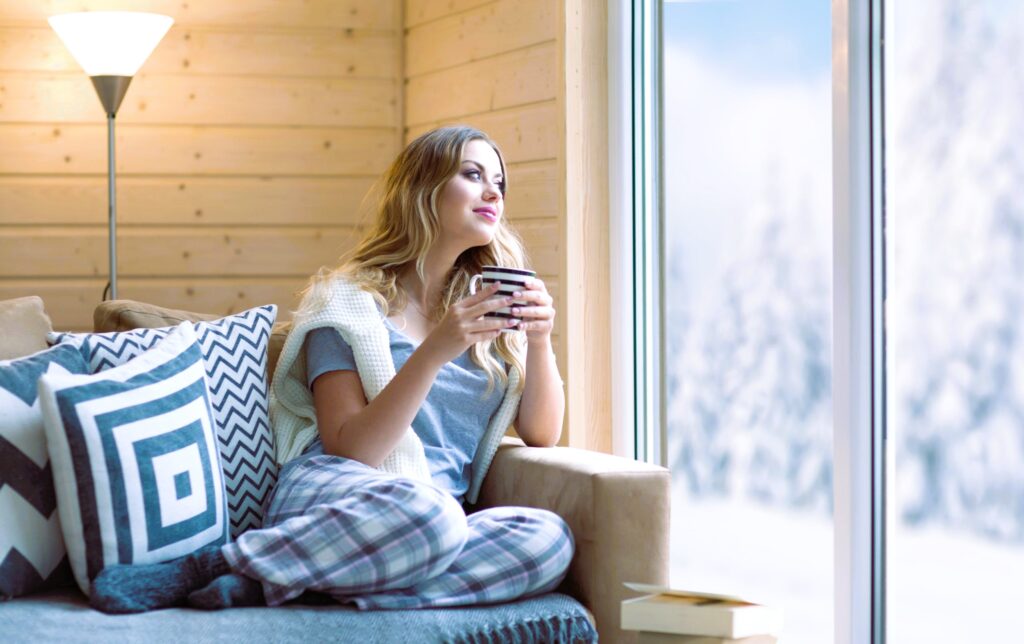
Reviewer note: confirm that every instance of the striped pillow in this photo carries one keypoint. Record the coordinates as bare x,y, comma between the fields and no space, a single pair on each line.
136,466
235,356
32,554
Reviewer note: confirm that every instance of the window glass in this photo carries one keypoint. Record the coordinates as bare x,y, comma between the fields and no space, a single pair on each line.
954,91
748,210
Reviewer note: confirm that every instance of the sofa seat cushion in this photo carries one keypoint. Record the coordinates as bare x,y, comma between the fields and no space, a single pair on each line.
50,616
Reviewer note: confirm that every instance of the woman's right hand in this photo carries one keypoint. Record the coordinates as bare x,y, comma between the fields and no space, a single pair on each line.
464,324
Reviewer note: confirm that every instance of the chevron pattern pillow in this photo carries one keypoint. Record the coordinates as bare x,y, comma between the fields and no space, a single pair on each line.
235,356
135,459
32,554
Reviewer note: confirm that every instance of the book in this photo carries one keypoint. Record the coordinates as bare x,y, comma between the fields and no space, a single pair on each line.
667,638
688,612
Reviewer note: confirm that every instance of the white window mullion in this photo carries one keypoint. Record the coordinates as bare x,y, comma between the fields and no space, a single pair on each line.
858,368
634,202
646,225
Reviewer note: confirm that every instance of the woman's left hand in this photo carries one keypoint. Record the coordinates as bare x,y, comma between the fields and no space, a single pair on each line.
538,314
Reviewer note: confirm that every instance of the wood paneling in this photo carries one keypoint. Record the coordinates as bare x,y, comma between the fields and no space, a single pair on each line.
196,50
516,78
532,190
204,100
540,236
71,149
31,251
523,133
186,200
358,14
479,33
586,272
245,148
420,11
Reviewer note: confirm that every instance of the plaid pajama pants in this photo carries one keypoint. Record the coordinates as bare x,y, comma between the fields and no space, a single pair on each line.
382,541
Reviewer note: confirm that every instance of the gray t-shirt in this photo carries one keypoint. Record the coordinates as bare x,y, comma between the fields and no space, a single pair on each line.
453,418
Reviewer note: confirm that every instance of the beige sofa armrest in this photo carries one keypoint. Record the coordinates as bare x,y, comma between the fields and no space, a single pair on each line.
618,510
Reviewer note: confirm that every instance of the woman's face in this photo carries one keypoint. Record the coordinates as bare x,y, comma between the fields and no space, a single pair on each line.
471,204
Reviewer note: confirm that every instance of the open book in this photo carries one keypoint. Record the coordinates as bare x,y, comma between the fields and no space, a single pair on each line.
667,610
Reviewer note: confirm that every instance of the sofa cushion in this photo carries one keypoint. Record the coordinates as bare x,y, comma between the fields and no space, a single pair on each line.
235,355
50,616
125,315
32,553
135,459
23,327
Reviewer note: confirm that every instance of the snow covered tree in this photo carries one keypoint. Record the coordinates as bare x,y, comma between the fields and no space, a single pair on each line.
955,84
751,415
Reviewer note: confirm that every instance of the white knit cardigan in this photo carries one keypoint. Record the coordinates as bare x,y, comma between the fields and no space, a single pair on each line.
354,314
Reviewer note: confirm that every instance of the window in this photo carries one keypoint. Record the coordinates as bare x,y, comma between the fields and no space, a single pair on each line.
916,222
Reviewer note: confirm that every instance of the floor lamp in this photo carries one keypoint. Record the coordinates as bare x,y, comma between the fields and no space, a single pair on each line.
111,46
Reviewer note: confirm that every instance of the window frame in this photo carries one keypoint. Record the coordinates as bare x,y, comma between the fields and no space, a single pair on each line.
635,198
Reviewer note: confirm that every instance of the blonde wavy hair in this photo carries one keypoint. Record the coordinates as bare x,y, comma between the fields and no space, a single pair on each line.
406,226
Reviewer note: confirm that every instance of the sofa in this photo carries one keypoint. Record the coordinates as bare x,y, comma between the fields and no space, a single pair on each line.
618,510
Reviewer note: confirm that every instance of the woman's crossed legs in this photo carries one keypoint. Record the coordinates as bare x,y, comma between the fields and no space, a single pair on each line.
339,527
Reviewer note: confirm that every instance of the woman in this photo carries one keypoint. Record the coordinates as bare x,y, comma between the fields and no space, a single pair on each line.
390,397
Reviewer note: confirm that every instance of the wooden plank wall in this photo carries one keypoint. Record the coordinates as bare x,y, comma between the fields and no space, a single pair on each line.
244,149
249,139
495,65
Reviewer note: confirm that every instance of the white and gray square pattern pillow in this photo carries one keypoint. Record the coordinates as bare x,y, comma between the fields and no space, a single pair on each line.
135,462
235,357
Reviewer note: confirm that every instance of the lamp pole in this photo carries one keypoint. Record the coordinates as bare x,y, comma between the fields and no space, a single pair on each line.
111,91
112,208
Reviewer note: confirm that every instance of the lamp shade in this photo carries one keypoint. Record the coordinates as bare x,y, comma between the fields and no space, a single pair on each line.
111,43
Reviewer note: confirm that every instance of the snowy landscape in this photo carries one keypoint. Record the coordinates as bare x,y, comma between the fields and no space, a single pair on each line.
943,587
748,226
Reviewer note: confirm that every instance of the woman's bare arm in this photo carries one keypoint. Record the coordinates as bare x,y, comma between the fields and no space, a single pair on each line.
539,423
542,407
